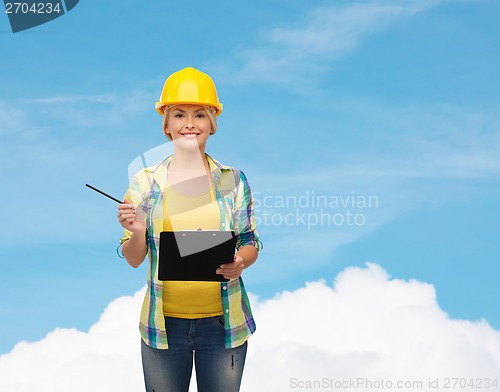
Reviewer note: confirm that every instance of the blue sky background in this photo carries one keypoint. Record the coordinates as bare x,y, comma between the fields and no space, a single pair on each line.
392,99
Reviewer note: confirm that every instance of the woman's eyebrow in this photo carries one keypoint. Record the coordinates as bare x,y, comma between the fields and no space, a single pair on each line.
183,111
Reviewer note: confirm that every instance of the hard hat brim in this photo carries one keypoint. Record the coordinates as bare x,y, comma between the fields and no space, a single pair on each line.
160,106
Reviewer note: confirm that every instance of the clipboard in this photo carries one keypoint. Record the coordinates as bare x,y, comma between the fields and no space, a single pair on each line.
194,255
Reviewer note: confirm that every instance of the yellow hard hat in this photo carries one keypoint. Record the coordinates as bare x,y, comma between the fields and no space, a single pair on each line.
189,86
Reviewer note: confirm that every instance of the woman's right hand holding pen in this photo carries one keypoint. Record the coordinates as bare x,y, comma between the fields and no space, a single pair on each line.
130,218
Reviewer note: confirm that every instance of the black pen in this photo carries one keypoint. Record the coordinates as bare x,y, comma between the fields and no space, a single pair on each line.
103,193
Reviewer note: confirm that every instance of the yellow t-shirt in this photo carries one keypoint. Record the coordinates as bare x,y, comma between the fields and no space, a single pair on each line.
191,299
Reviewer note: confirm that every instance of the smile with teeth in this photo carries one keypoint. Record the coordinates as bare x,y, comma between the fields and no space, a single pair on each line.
189,134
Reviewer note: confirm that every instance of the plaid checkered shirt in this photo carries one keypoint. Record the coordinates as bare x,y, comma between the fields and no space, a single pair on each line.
233,194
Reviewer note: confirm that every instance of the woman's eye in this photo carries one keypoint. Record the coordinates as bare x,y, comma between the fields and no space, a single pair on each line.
178,115
201,115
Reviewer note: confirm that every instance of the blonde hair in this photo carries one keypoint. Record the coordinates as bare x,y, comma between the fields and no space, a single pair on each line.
208,110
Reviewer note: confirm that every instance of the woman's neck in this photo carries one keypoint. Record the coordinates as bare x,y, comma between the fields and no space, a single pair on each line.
189,163
189,173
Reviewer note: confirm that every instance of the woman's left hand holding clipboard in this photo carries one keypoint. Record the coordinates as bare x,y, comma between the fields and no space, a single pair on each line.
232,270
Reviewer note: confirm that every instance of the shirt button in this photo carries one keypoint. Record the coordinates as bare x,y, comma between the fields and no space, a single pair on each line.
224,288
227,310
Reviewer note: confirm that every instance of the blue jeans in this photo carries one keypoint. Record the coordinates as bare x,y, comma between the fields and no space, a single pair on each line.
217,369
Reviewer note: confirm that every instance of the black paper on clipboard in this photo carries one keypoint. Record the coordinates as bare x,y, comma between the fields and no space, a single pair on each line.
195,255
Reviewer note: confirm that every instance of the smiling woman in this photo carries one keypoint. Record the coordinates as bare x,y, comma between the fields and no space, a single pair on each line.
198,113
191,122
208,320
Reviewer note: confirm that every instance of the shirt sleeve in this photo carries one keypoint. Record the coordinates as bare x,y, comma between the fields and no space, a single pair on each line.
243,217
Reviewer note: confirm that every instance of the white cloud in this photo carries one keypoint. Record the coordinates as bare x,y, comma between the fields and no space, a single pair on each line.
369,326
286,55
107,357
15,123
111,109
39,119
366,326
446,141
107,98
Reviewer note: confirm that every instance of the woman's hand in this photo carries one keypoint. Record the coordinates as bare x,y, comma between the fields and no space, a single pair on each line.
131,219
232,270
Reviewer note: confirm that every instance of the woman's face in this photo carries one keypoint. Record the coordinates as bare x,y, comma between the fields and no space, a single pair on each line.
188,125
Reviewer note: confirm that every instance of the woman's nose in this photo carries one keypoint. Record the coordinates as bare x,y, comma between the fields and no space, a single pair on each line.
189,122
